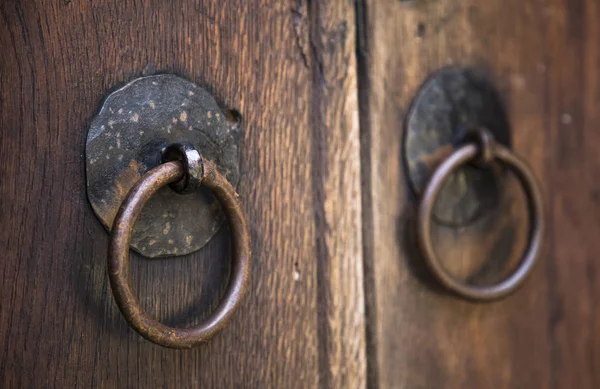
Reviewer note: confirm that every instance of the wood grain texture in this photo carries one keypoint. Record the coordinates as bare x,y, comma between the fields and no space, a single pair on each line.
289,68
543,56
336,176
324,190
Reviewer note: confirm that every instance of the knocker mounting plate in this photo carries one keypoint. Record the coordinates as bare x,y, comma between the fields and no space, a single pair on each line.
126,139
451,103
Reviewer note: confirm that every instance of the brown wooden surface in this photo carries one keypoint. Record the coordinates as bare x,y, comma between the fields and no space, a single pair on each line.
290,70
543,56
338,296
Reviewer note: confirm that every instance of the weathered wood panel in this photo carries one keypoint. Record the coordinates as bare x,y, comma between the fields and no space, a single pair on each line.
290,70
543,56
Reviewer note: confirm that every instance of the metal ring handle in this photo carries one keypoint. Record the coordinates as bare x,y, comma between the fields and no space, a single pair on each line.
464,154
118,257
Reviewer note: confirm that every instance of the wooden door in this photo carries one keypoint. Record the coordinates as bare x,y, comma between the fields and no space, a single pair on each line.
543,57
337,298
295,88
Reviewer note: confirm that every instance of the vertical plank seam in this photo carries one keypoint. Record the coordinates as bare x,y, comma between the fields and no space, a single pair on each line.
370,299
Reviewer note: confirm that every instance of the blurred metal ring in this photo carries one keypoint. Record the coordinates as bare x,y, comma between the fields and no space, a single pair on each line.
470,153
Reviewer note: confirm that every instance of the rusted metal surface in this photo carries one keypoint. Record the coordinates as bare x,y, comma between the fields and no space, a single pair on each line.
449,104
483,151
126,139
118,257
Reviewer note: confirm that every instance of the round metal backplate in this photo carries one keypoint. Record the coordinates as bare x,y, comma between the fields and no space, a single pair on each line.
126,139
449,104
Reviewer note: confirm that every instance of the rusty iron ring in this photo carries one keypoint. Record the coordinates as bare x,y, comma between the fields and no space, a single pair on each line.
472,152
118,257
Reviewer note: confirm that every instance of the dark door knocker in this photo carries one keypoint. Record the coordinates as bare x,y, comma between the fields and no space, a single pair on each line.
186,171
158,131
457,128
483,150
